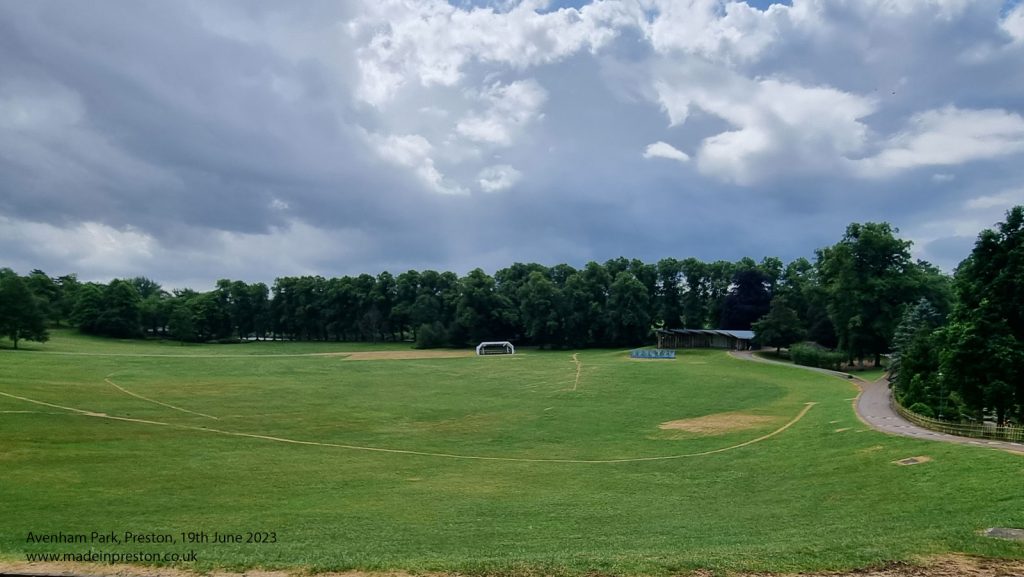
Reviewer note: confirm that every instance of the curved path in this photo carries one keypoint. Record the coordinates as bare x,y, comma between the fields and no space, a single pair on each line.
874,408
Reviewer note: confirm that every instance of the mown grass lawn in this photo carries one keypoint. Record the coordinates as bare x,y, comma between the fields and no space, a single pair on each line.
822,494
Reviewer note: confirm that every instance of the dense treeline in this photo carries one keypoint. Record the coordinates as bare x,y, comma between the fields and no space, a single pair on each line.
957,343
968,362
610,304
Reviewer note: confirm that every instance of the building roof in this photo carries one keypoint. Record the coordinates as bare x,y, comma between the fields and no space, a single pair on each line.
742,335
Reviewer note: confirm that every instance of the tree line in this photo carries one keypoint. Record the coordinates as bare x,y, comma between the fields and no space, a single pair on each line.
967,362
956,341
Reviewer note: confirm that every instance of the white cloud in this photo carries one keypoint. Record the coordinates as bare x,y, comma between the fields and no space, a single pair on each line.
414,151
432,41
665,150
780,127
713,29
943,177
509,108
498,177
947,137
1013,23
86,246
1003,200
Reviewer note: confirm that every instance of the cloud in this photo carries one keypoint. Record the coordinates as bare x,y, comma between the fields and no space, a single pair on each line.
431,42
1003,200
413,151
497,178
1013,23
86,246
722,31
366,135
949,136
509,108
779,127
664,150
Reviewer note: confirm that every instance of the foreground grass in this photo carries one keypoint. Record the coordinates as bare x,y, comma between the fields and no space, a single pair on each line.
823,494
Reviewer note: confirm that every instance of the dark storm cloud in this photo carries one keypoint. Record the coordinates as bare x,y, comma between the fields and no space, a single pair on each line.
192,141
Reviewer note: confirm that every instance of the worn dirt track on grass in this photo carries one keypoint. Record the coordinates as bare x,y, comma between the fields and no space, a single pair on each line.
399,355
717,423
945,566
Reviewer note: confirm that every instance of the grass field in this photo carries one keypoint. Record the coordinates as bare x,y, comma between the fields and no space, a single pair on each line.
489,465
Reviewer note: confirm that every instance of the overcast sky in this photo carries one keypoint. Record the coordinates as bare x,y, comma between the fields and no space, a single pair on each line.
194,140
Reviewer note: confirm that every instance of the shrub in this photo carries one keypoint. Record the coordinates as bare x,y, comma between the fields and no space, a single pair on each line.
922,409
812,356
431,336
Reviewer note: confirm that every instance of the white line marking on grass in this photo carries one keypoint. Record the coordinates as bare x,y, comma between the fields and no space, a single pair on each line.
168,405
800,415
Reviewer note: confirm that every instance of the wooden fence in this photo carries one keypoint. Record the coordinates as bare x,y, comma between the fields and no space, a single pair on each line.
1008,433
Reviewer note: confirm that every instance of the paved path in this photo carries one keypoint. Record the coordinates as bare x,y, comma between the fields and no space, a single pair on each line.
874,408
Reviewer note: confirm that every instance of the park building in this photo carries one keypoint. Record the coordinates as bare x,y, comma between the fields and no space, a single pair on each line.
705,339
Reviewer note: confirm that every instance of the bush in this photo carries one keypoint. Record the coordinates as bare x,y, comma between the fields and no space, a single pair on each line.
431,336
812,356
922,409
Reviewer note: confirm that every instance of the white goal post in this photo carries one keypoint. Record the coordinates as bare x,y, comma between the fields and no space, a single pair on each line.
495,348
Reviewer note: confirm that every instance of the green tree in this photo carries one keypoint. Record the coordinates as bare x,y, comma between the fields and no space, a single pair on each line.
20,314
47,294
914,364
983,356
748,298
629,322
89,306
779,328
121,313
541,309
869,278
182,321
480,314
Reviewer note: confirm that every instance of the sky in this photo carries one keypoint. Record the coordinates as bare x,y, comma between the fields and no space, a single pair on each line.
189,141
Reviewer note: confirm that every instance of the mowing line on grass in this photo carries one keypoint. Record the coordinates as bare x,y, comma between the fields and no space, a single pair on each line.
576,359
82,412
168,405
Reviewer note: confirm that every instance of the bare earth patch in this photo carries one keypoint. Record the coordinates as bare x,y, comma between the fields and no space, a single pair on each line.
400,355
913,460
944,566
717,423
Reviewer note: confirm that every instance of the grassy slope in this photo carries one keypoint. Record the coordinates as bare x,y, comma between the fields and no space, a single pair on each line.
813,497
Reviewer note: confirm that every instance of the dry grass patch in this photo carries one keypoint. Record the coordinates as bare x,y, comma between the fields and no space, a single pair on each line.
913,460
717,423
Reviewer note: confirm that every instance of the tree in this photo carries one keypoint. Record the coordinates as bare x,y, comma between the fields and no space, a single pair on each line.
669,293
629,323
20,315
121,313
747,300
781,327
869,278
914,364
983,355
541,309
47,294
182,322
481,313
